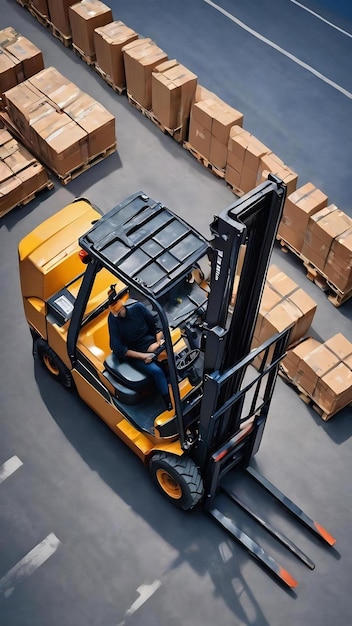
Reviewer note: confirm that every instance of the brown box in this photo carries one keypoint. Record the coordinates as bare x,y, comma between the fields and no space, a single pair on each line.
173,90
271,163
84,18
25,53
244,152
21,100
5,172
141,58
326,376
59,17
199,137
32,177
294,356
41,6
323,227
10,194
11,72
283,304
338,266
63,144
108,42
56,87
218,118
96,121
19,159
299,206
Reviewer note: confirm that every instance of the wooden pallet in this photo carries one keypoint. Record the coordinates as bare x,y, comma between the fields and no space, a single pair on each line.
48,185
90,60
42,19
334,294
176,133
66,178
220,173
120,90
66,40
236,190
306,398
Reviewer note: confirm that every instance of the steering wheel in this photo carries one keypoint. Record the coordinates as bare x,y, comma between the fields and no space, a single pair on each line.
187,360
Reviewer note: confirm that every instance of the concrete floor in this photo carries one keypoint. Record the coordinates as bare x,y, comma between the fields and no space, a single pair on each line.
111,536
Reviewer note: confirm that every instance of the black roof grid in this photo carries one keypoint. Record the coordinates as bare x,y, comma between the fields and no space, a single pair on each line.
145,243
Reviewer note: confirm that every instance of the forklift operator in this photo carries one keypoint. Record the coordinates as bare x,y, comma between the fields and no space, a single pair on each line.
134,337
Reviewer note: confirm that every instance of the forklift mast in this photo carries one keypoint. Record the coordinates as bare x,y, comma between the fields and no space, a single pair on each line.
252,223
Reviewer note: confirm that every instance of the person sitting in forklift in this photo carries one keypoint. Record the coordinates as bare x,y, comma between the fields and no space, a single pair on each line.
134,337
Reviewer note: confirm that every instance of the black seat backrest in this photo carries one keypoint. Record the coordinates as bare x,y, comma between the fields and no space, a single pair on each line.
126,373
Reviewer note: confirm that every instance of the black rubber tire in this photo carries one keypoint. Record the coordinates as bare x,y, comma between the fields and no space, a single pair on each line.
178,478
53,364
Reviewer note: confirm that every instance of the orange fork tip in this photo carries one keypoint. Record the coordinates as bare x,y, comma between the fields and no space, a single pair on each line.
287,578
325,535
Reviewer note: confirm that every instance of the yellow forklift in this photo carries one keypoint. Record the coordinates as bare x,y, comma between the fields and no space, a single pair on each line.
142,251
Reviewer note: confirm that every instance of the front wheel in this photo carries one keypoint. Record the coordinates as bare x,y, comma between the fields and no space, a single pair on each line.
53,364
178,478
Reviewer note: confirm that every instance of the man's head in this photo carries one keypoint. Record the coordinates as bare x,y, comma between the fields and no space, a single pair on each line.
116,304
118,308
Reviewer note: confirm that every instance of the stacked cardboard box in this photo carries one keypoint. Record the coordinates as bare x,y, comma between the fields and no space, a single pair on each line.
59,15
19,59
299,206
21,175
41,6
108,42
173,91
65,127
328,245
84,17
283,304
323,371
210,123
243,159
141,58
271,163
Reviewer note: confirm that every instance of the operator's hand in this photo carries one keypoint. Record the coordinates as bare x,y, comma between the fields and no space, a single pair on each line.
148,357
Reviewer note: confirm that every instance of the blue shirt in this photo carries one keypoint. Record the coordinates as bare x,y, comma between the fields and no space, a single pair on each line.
136,331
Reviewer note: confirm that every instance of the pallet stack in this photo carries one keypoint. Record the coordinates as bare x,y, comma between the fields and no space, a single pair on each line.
22,176
322,373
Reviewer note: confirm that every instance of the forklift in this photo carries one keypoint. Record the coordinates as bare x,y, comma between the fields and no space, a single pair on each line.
221,387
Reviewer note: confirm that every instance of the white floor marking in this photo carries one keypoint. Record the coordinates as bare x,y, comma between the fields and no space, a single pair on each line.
9,467
273,45
320,17
26,566
145,592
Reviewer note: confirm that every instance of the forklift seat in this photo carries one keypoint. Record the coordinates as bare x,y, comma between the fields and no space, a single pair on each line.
126,373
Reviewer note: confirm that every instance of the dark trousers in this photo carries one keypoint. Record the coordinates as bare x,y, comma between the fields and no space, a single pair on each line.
154,371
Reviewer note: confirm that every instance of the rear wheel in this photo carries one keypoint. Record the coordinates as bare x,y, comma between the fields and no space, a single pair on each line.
53,364
178,478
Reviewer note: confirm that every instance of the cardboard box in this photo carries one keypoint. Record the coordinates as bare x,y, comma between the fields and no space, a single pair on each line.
62,143
323,228
59,17
21,101
140,59
32,177
41,6
271,163
96,121
84,18
325,375
199,137
218,118
244,152
338,266
173,91
19,159
10,194
299,206
283,304
24,51
55,87
294,356
108,42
